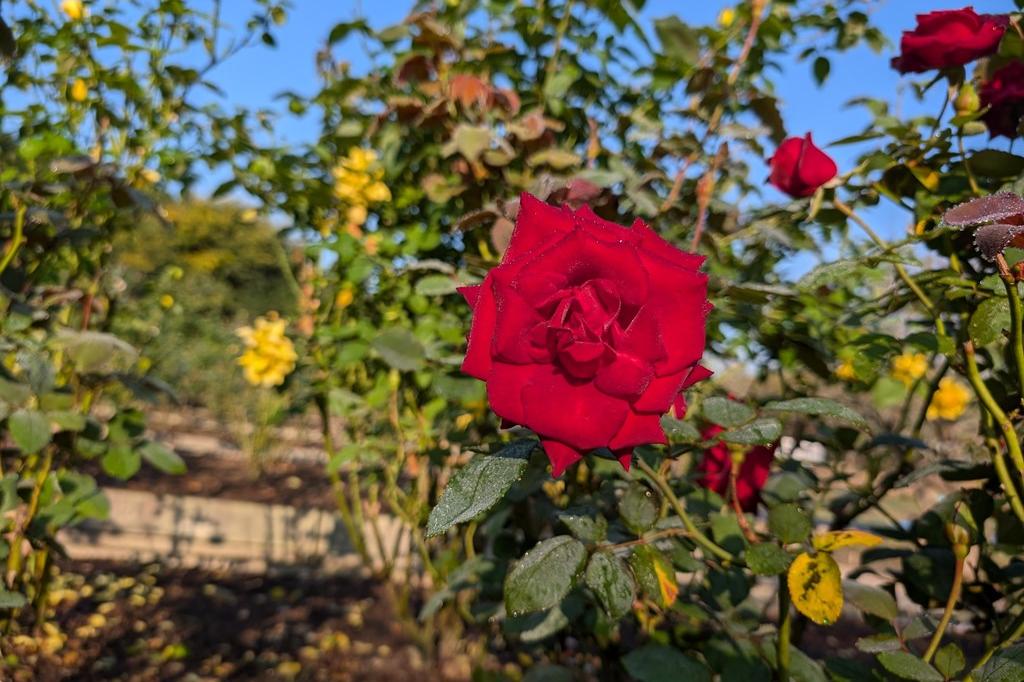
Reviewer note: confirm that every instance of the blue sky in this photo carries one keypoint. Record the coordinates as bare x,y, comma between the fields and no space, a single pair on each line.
253,78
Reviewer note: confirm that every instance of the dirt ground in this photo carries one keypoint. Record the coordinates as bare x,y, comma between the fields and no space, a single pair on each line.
130,622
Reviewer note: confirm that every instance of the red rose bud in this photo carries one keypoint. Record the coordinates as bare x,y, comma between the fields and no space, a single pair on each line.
716,466
1004,93
587,331
949,38
799,168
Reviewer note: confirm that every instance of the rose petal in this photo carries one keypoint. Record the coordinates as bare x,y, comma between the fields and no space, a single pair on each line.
625,377
536,225
576,414
560,455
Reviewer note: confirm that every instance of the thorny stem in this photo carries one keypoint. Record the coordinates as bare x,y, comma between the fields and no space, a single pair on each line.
1016,317
900,270
985,396
757,8
951,602
699,537
734,498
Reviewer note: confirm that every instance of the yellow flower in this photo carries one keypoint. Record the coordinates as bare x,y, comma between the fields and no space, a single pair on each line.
845,371
358,182
74,9
726,17
950,401
909,367
269,355
166,301
79,90
356,215
344,298
372,244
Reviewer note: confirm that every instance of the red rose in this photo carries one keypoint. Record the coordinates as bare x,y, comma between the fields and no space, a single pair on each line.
587,331
716,467
799,168
1004,93
949,38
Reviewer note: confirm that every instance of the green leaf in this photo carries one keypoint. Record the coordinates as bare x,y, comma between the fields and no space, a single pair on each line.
767,558
588,526
817,407
789,523
994,163
725,412
436,285
874,644
639,508
655,574
679,431
121,462
822,67
871,599
400,349
162,458
479,485
469,141
609,578
9,493
66,420
544,575
949,660
1005,666
989,321
559,159
97,352
764,431
11,600
658,663
30,430
907,666
678,40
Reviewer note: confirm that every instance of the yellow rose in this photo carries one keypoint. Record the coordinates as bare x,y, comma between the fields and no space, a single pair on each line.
909,367
846,372
344,298
74,9
269,356
79,90
166,301
356,214
950,401
726,17
378,191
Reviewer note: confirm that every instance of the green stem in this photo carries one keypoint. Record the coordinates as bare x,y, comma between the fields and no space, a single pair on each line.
985,396
1016,633
1016,317
785,630
699,537
355,533
951,602
900,270
17,239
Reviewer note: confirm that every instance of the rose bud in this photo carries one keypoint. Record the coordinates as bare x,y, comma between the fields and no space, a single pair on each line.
949,38
716,467
587,332
799,168
966,101
1004,93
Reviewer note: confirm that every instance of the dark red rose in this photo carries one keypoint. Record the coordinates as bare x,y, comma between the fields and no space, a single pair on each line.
587,331
1004,93
949,38
799,168
716,466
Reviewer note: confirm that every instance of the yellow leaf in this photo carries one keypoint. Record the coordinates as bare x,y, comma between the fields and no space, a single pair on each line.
831,541
667,585
816,588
